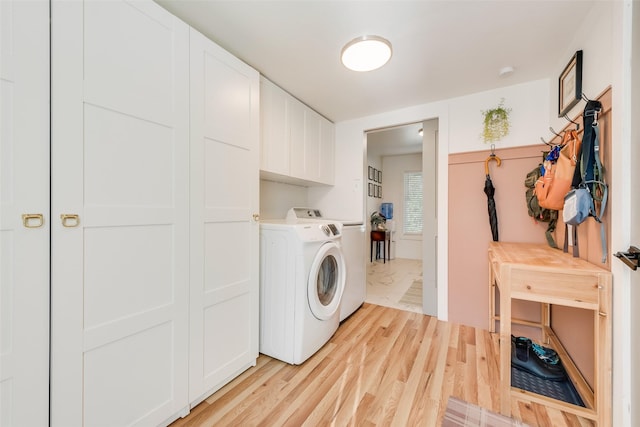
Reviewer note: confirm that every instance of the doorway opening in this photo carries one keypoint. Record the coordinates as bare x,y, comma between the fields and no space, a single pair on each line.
401,171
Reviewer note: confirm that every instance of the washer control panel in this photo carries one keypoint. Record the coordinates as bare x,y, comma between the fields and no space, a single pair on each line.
330,229
304,213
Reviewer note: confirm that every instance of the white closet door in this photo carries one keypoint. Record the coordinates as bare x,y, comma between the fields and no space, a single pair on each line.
120,158
24,189
224,235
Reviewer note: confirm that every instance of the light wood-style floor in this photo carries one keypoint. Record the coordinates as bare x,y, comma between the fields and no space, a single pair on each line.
383,367
387,282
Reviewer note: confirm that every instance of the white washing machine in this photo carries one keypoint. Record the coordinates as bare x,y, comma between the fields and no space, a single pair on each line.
354,244
302,278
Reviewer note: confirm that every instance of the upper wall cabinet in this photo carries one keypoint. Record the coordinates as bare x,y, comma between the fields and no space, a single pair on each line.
327,151
297,142
275,153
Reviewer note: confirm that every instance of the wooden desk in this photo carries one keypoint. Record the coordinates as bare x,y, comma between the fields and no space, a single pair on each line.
383,236
535,272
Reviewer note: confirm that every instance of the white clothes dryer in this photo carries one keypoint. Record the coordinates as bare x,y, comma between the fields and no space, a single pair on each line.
302,278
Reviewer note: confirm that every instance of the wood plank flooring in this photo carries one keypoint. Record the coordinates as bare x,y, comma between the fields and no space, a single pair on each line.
383,367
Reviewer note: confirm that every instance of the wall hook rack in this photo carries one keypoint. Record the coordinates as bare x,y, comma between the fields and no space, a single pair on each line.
553,132
572,121
547,143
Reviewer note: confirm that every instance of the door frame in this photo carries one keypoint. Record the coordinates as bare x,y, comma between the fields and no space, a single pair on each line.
624,212
424,113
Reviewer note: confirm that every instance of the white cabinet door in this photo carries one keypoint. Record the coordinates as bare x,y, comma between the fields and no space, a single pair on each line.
120,199
296,111
311,145
24,189
274,128
224,234
327,151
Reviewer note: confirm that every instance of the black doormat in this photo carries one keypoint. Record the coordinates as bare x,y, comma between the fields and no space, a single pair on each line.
560,390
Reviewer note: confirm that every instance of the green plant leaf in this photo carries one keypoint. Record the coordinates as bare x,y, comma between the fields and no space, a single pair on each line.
496,123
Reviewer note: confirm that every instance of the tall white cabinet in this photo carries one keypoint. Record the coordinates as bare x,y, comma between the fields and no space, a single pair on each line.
224,232
120,174
154,186
24,213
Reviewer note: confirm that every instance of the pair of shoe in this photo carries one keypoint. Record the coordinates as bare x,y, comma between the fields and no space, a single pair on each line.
535,359
548,355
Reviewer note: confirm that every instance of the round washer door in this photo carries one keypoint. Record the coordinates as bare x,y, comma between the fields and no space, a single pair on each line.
326,281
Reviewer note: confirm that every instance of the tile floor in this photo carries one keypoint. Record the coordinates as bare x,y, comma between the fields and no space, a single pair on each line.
387,282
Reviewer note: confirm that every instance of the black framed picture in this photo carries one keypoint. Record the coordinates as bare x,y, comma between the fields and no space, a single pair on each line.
371,171
380,177
375,175
372,190
570,85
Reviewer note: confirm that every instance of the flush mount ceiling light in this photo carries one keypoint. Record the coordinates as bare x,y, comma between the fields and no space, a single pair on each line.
366,53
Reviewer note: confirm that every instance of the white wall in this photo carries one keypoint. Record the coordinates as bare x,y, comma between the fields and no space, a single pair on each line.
529,104
595,39
346,199
277,198
394,167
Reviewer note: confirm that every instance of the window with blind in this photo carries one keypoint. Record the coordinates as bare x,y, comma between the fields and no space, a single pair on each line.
412,203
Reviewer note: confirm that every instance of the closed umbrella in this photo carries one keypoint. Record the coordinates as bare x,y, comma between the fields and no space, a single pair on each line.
490,191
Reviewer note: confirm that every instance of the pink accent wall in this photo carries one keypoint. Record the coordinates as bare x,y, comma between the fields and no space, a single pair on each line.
470,233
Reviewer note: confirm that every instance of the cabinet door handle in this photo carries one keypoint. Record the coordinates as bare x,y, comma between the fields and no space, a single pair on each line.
256,217
70,220
32,220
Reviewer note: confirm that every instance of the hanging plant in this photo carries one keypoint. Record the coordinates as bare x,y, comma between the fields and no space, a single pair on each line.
496,123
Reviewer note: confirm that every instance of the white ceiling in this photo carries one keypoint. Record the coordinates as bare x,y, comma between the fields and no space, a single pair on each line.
441,49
